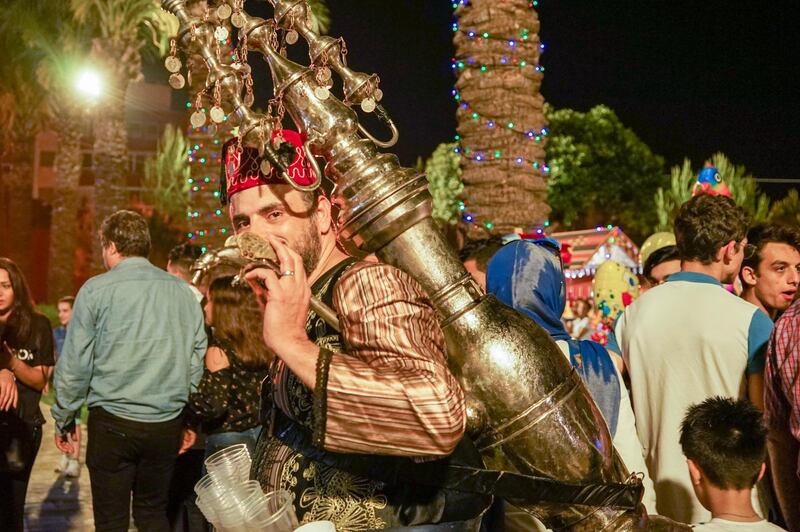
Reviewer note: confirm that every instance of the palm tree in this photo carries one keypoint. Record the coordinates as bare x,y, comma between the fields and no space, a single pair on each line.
56,44
20,120
743,186
121,30
501,121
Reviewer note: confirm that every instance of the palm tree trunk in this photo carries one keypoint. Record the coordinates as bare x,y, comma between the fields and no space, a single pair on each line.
64,221
19,181
110,154
500,116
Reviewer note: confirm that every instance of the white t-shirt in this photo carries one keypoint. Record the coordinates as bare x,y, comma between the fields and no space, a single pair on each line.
723,525
683,342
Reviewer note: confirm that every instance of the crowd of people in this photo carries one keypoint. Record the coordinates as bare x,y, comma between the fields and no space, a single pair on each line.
697,385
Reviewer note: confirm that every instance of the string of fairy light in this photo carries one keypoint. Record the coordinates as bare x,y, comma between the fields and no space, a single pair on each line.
204,156
517,45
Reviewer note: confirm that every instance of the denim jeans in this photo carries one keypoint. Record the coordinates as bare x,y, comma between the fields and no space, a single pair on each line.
220,440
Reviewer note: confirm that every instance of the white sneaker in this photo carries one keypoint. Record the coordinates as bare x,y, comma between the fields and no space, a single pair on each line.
73,469
62,464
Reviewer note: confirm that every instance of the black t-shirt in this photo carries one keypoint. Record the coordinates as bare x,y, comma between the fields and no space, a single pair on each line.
35,350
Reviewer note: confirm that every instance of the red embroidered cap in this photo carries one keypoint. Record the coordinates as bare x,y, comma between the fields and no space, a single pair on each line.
241,168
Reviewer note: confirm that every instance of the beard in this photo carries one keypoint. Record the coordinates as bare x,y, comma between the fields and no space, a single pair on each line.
307,246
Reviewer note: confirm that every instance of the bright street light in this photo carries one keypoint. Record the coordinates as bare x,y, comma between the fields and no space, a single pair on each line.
89,84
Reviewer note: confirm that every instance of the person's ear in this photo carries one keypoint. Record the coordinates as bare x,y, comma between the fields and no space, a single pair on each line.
727,253
695,473
749,276
323,213
112,248
761,471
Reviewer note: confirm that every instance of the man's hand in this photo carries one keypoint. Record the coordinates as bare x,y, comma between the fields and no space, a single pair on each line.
189,437
285,298
66,442
8,390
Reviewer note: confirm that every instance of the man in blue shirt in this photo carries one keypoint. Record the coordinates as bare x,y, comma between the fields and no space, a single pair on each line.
134,351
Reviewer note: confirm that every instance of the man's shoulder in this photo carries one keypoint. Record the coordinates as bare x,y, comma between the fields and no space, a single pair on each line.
371,271
370,280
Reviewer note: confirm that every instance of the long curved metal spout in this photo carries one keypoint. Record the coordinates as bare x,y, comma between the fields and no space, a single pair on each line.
528,412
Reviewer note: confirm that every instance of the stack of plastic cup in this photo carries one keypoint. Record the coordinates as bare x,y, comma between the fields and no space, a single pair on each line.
273,513
230,464
232,503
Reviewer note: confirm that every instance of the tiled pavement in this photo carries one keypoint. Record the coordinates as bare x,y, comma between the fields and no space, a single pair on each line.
55,503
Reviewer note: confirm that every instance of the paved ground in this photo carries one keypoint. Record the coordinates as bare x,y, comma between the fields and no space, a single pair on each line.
55,503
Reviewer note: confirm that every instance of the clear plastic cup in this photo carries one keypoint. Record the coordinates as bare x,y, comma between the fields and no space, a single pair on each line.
230,464
208,488
245,491
208,512
274,514
232,520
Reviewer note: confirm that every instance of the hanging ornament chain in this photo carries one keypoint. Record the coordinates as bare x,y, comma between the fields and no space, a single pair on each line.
173,65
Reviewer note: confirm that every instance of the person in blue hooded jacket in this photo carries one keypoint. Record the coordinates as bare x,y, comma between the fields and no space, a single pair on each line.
527,276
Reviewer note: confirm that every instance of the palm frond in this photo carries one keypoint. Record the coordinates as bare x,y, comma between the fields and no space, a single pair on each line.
320,16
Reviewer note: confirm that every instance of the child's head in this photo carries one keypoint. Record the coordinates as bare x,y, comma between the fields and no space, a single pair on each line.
64,307
725,443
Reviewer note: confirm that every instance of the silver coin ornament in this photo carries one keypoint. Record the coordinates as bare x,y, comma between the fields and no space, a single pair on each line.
197,119
265,167
221,33
217,114
367,105
248,99
292,36
378,95
212,130
237,20
176,81
223,11
322,93
172,63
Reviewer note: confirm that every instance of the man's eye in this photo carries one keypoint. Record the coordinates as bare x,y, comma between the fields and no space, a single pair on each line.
241,224
274,214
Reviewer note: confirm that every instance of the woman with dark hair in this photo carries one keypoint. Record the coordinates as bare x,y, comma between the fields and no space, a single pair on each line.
26,359
227,399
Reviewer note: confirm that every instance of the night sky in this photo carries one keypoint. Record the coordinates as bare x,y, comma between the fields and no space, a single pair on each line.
689,77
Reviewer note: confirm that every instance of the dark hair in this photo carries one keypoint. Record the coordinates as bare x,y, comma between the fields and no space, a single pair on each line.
67,299
21,316
659,256
236,319
183,256
705,224
480,250
761,235
129,233
726,438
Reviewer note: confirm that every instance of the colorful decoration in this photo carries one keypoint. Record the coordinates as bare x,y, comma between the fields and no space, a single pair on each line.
653,243
208,221
495,137
615,287
710,182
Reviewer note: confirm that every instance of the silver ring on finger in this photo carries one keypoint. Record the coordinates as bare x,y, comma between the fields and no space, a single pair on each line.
287,273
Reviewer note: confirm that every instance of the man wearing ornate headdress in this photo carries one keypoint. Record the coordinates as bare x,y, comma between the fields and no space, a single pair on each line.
347,416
